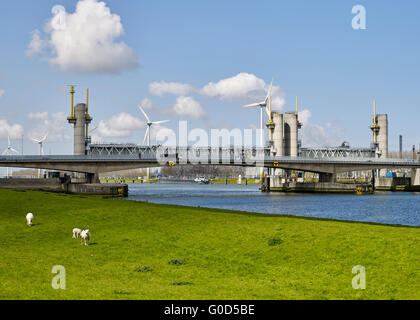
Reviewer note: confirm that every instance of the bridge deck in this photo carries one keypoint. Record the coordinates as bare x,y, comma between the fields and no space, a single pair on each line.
99,164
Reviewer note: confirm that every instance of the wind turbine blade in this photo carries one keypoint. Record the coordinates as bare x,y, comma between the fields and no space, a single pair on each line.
5,152
269,89
267,111
43,139
146,135
144,113
34,140
160,122
253,105
15,151
8,140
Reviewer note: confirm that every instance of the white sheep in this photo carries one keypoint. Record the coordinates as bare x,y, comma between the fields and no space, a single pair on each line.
29,218
76,233
85,235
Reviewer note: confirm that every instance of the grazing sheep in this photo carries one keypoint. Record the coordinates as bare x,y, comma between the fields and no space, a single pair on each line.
76,233
85,235
29,218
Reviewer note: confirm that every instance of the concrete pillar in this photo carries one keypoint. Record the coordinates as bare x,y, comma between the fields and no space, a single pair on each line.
291,134
382,120
415,177
327,177
278,134
93,178
80,130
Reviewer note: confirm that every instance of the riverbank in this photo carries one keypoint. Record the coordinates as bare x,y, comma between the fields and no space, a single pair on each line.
149,251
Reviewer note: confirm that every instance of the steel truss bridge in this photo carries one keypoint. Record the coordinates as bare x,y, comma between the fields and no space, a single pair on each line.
160,156
111,149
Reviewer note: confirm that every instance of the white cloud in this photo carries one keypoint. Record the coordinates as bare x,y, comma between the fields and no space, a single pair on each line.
2,91
315,135
15,131
54,125
146,104
238,87
162,87
118,126
37,43
305,116
244,87
85,41
163,135
187,106
38,115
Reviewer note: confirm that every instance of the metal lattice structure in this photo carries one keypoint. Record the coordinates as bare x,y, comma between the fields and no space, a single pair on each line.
131,149
114,149
111,149
337,152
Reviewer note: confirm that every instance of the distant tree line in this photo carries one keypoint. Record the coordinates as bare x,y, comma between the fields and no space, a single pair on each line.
207,171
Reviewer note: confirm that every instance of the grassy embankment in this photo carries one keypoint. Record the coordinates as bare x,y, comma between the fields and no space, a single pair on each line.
221,254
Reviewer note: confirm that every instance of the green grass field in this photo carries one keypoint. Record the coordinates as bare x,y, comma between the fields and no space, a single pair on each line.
219,254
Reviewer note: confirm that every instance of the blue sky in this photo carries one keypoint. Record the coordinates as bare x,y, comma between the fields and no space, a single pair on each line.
309,47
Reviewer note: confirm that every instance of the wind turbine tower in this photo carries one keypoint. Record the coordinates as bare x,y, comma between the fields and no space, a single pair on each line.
263,106
9,151
41,149
148,132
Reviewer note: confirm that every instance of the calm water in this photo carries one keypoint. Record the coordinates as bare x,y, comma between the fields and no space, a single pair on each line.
388,207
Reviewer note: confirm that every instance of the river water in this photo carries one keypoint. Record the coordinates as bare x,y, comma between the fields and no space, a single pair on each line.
381,207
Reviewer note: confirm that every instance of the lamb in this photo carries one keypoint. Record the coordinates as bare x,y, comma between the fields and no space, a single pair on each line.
76,233
29,218
85,235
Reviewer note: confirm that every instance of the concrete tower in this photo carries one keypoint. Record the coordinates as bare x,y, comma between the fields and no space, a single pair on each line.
291,126
79,129
277,134
382,121
80,119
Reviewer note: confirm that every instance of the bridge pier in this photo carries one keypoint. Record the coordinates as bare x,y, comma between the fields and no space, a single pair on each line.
92,178
327,177
415,177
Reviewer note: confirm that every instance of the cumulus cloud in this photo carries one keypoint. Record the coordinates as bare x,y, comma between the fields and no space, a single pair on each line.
175,88
163,135
85,41
146,104
187,106
238,87
315,135
38,115
244,87
54,125
14,131
37,43
2,92
118,126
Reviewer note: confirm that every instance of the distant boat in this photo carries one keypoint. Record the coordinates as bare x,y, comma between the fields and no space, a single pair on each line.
201,180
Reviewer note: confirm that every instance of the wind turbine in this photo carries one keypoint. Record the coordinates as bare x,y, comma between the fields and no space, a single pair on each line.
148,133
149,125
262,105
41,149
9,151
